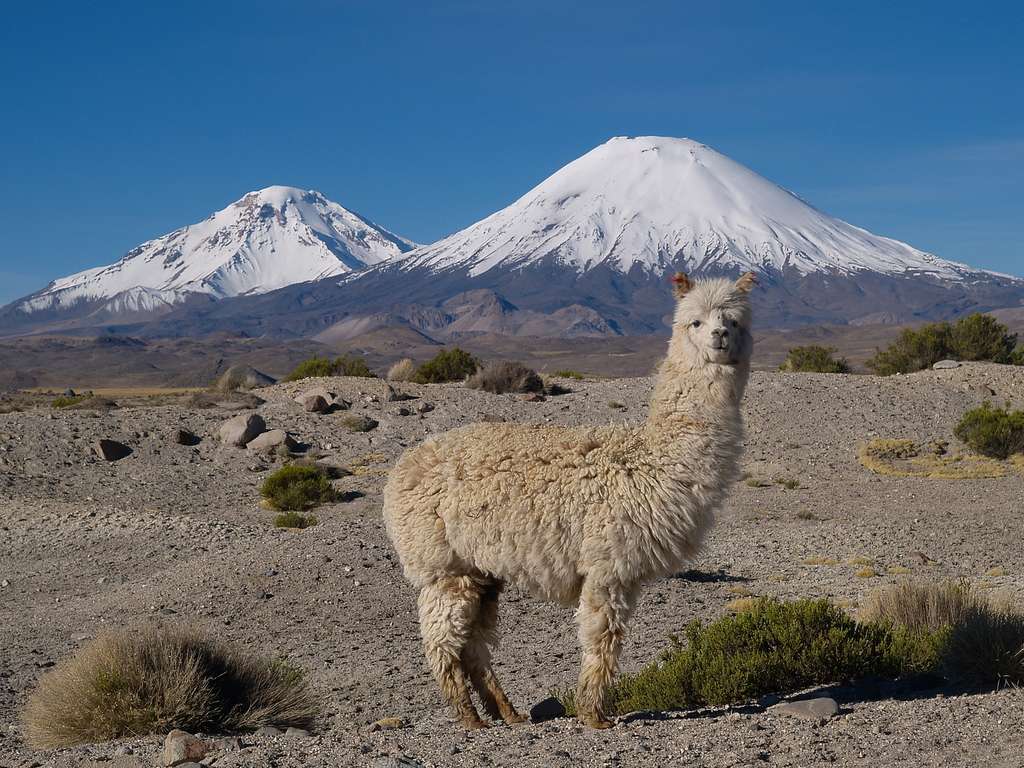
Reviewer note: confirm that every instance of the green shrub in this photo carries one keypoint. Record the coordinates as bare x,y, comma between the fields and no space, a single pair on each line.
770,647
316,367
297,488
992,431
447,365
914,350
569,374
974,337
1017,357
499,378
981,337
294,520
129,683
814,359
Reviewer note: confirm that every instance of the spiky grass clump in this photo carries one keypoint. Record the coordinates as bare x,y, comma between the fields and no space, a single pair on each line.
151,680
504,377
769,647
403,370
994,432
569,374
983,636
65,401
298,488
447,365
294,520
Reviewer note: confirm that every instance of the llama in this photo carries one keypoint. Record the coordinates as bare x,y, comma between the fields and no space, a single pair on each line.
579,516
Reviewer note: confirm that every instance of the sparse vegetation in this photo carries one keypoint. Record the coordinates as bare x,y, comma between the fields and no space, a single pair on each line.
975,337
769,647
453,364
151,680
294,520
905,458
616,405
66,401
359,423
403,370
346,365
569,374
503,377
814,359
789,483
298,488
993,432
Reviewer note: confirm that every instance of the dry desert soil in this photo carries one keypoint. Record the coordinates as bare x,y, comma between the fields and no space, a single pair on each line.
174,534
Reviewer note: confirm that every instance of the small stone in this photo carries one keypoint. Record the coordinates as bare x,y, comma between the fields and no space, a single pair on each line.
270,440
5,583
403,411
229,744
424,408
185,437
548,709
359,423
181,747
269,730
819,709
390,395
110,450
241,429
943,365
534,397
301,733
69,392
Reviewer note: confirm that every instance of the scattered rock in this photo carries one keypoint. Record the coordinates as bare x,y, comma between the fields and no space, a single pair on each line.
396,762
314,402
69,392
359,423
269,730
270,440
241,429
491,418
110,450
424,407
390,395
534,397
243,377
185,437
402,411
301,733
388,724
181,747
229,744
548,709
819,709
5,583
943,365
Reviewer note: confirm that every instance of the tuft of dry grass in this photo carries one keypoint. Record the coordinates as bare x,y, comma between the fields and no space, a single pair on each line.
861,560
742,604
403,370
151,680
897,570
867,572
996,572
905,458
504,377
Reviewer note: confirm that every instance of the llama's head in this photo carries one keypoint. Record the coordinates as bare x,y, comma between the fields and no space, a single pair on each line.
712,321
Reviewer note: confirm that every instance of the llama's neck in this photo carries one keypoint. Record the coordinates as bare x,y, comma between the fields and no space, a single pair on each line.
695,398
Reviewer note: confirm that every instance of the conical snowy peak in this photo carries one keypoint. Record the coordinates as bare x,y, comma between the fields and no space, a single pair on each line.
269,239
659,202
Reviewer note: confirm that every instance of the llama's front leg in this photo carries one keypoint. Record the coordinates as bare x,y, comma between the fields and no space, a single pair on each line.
602,615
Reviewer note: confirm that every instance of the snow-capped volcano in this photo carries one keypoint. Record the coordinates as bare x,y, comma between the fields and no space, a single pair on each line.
269,239
663,202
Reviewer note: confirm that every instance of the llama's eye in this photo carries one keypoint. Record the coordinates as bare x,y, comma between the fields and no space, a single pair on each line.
735,324
696,323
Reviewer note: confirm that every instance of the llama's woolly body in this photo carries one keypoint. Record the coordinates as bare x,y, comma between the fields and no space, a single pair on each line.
571,514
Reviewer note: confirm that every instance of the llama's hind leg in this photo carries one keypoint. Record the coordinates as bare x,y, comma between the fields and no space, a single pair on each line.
477,659
448,609
602,616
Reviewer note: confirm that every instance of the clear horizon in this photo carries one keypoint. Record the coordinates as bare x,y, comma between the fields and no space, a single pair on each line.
129,122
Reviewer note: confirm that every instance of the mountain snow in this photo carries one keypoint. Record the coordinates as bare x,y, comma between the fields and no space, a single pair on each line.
269,239
654,201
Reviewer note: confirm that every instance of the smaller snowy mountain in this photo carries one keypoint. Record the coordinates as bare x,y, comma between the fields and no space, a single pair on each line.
269,239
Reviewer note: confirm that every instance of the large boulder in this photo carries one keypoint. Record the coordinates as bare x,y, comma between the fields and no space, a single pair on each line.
314,402
243,377
240,430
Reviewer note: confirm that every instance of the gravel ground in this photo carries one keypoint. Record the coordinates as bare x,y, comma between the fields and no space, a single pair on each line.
174,534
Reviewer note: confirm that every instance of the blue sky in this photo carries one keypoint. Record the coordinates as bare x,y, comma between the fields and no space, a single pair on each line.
122,121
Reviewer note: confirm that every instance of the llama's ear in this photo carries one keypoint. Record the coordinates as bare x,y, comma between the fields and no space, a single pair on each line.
746,282
681,284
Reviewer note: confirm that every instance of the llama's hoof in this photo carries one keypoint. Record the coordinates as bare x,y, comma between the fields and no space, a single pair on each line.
594,721
514,717
473,723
